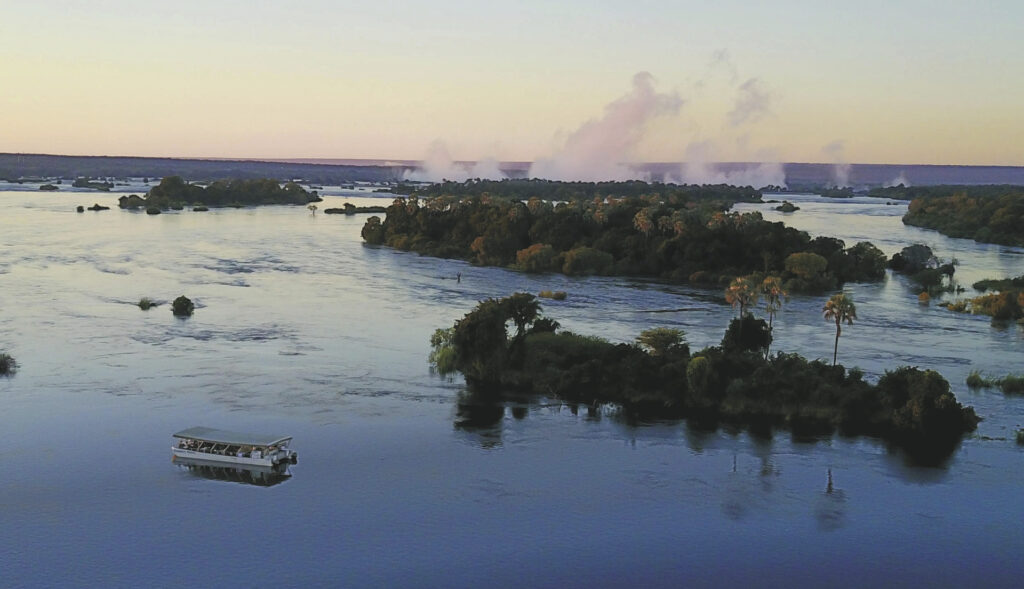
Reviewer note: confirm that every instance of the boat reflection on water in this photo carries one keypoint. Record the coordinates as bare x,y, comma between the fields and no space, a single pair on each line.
261,476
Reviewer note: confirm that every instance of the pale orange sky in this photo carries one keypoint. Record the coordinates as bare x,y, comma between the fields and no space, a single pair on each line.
914,83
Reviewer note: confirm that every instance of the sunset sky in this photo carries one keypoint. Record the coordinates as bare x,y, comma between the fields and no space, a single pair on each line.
881,82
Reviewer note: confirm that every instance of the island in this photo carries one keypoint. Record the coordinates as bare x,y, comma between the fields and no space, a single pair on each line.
173,193
91,184
737,381
351,209
683,234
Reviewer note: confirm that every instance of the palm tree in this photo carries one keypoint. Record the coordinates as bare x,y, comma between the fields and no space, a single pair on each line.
840,308
771,290
742,294
522,308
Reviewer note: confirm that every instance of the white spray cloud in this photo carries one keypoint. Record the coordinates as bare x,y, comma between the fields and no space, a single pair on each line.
438,165
753,102
901,179
840,167
600,148
700,168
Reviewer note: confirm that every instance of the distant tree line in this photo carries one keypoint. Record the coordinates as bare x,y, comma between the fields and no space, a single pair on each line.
555,190
681,236
16,165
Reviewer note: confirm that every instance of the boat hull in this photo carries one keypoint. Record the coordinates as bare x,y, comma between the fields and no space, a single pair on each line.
207,457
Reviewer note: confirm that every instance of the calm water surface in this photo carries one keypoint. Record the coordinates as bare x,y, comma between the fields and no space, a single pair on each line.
402,480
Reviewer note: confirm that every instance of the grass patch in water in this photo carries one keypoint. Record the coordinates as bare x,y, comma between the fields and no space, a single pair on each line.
1012,384
976,381
145,303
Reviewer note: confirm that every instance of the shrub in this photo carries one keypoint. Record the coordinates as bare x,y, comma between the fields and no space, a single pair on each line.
1000,306
539,257
373,231
662,341
1020,437
153,210
558,295
8,365
182,307
145,303
586,260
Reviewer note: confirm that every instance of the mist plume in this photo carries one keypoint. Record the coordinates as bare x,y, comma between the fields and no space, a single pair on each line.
840,168
600,148
438,165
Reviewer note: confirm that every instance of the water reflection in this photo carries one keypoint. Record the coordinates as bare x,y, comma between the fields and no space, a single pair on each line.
480,418
830,510
260,476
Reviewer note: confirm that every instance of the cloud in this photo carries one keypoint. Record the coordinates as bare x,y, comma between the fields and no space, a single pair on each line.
753,102
601,148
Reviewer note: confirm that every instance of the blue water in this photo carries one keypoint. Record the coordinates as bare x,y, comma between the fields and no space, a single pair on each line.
404,481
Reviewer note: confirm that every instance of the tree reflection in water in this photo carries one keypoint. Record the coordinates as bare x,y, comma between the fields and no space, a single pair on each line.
830,510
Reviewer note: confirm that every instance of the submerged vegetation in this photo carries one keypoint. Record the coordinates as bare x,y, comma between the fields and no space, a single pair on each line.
8,365
682,234
988,214
506,345
174,192
1006,303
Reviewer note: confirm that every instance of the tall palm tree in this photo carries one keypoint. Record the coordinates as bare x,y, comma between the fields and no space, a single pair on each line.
771,290
741,294
839,308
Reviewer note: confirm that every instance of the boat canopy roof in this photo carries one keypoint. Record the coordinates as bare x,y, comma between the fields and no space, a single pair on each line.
209,434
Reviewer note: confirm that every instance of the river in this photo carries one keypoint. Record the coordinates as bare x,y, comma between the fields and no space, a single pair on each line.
402,480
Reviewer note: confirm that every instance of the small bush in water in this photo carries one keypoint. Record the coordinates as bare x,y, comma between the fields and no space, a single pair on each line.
558,295
145,303
7,364
182,307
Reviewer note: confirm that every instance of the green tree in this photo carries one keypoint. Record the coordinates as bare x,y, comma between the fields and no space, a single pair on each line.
661,341
839,308
522,309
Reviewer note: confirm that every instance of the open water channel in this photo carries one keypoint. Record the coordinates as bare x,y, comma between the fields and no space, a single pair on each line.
402,481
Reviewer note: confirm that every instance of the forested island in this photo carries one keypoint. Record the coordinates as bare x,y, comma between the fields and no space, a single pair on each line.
506,346
683,234
988,214
174,193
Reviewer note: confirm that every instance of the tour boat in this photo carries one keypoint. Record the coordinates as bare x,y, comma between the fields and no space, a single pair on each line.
216,445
